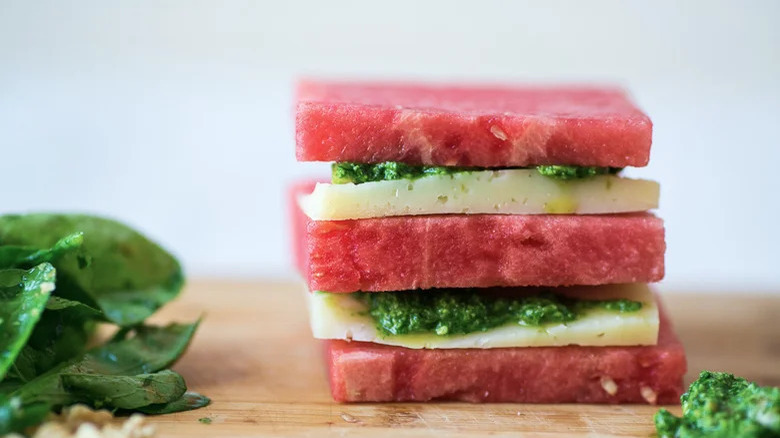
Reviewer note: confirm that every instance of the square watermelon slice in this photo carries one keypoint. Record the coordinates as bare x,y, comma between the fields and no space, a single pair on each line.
366,372
488,126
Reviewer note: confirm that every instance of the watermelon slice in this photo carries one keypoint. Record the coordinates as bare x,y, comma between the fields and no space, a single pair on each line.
459,126
411,252
366,372
298,221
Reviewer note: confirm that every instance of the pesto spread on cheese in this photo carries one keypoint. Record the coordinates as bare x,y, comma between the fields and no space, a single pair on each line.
463,311
721,405
575,172
357,173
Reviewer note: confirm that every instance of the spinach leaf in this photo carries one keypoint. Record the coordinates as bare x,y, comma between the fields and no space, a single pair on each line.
12,256
16,416
23,295
61,334
187,402
8,386
74,309
146,349
106,272
25,367
125,392
116,269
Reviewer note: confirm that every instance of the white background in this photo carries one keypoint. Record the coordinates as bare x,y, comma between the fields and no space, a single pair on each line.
177,116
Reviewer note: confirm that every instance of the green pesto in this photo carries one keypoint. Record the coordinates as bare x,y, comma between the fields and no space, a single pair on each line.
575,172
452,311
358,173
720,405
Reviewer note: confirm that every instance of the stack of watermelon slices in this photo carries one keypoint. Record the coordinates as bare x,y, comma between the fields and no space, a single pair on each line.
490,225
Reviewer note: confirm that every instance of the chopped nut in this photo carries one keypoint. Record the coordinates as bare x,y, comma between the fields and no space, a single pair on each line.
52,430
648,394
88,430
76,415
80,421
609,385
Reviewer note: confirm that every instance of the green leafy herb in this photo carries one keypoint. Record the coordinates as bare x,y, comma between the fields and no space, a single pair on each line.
146,349
205,420
15,416
12,256
449,312
575,172
61,334
73,309
116,269
721,405
187,402
23,296
125,392
105,272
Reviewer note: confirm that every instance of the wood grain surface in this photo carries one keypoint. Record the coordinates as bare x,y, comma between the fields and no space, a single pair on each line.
254,356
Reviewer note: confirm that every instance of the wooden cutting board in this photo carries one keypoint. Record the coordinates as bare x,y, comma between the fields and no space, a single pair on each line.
254,356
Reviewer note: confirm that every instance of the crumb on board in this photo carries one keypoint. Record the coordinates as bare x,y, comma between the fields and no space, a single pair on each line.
79,421
349,418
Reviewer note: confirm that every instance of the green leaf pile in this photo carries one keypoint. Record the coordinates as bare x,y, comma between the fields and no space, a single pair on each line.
61,275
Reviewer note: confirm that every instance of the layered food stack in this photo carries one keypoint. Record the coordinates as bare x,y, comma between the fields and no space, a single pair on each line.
480,244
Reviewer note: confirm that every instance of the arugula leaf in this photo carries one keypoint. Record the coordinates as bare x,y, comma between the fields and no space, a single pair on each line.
187,402
146,349
116,269
16,416
125,392
23,295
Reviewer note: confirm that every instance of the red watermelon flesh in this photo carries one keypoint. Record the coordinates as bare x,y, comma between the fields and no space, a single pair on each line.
366,372
411,252
298,221
470,126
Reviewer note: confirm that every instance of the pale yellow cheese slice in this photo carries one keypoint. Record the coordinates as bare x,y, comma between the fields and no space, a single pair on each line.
510,191
341,316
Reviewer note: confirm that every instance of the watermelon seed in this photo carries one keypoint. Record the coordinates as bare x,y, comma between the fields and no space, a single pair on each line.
648,394
498,133
609,385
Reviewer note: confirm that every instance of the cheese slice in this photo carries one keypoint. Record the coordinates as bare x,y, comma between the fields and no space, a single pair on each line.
509,191
341,316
